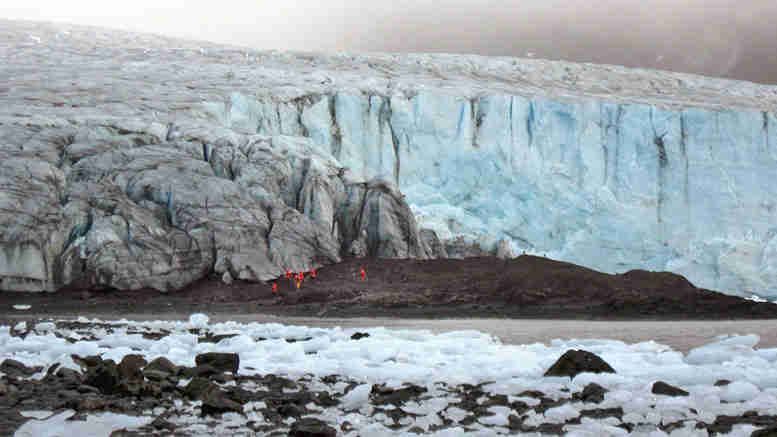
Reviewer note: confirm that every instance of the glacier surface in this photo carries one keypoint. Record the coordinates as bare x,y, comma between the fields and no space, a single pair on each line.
608,167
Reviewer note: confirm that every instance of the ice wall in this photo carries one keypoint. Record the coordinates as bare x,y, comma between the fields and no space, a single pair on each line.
612,186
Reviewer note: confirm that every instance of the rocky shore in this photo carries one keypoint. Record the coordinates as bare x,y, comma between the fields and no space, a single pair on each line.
484,287
215,396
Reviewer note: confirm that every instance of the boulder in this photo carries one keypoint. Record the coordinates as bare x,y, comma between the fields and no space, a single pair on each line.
161,364
198,387
130,365
310,427
222,362
380,394
104,376
216,401
578,361
17,368
68,374
592,392
662,388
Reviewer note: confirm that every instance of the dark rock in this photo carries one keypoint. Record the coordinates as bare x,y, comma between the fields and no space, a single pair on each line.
500,400
380,394
104,376
155,375
161,423
83,388
3,389
548,403
131,387
592,392
770,431
69,394
309,427
161,364
124,432
208,338
221,378
90,361
203,371
359,335
662,388
574,362
550,428
224,362
69,374
324,399
722,382
217,402
198,388
78,417
532,394
18,369
329,379
91,403
52,370
130,365
290,410
600,413
515,422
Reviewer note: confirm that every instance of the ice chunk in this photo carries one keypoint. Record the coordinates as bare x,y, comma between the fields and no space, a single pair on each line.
357,397
58,425
739,391
722,350
198,320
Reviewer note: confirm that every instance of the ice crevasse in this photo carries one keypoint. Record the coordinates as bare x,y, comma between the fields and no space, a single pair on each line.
606,184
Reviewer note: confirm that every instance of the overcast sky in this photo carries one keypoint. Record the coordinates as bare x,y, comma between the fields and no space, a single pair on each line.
728,38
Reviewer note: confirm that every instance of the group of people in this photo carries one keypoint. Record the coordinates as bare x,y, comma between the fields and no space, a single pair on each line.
300,276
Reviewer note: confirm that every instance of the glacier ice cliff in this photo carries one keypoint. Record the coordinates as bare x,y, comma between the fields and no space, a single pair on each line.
613,186
603,166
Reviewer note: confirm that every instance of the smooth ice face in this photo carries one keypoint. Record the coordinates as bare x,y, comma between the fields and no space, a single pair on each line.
613,186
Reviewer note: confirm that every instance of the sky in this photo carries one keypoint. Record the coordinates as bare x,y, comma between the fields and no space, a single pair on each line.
724,38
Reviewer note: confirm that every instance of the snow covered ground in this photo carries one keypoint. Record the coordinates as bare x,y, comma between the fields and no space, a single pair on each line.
397,357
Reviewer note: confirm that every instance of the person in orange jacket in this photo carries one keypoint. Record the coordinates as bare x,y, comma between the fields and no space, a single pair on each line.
288,274
363,273
275,288
313,273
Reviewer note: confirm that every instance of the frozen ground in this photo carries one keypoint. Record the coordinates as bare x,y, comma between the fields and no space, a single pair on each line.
435,361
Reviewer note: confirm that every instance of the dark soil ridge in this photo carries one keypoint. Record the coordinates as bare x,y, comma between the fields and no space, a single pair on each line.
483,287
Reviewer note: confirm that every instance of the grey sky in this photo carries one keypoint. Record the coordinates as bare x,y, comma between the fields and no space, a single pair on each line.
728,38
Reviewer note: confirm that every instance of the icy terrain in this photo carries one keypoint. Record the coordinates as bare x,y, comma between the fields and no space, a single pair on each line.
436,362
604,166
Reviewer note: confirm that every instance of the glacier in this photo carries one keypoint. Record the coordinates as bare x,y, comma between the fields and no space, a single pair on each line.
608,185
604,166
